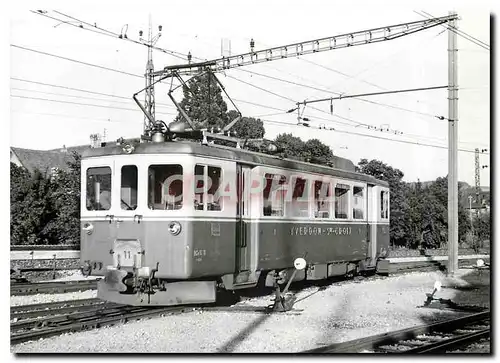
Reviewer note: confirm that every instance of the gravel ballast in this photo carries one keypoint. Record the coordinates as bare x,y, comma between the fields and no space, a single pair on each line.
339,312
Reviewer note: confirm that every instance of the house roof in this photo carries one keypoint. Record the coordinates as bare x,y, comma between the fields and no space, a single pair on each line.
79,149
45,160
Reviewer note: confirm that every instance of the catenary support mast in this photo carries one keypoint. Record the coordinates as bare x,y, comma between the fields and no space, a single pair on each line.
452,151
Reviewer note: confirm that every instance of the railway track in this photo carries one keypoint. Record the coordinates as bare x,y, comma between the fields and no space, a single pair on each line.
430,338
52,308
52,287
105,315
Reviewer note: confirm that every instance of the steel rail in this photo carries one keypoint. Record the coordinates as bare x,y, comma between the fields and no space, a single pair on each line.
75,313
451,343
51,287
117,316
57,310
395,337
52,305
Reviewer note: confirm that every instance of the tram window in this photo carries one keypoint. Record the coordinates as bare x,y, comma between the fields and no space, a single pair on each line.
214,200
322,194
99,188
129,187
358,205
341,201
384,204
299,206
199,189
165,187
273,195
213,177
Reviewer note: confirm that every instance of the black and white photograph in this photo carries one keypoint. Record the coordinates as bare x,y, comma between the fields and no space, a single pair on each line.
308,178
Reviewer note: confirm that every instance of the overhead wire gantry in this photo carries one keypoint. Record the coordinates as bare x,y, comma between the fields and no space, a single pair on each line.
346,40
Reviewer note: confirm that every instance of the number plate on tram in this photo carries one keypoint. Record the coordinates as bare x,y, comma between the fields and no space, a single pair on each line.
127,253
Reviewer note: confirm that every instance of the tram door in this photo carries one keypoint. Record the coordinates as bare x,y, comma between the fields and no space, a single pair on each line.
243,245
372,207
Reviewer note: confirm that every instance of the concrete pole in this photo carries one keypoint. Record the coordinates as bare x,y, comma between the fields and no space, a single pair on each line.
452,149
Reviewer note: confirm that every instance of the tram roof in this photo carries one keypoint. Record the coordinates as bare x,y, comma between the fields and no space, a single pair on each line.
343,168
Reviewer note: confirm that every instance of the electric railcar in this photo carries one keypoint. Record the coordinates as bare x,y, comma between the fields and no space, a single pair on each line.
170,223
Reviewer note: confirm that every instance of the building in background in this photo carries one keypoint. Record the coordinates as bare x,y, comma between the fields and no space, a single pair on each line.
47,161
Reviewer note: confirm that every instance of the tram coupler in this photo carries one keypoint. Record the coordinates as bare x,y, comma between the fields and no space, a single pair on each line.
285,300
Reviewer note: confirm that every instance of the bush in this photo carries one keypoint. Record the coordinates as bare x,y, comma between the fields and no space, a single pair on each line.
45,209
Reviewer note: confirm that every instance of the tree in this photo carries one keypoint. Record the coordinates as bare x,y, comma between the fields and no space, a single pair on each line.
399,203
66,201
247,127
31,209
45,209
316,151
203,102
482,228
19,181
293,147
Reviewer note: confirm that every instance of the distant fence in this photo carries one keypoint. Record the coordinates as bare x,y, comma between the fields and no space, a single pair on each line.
44,255
45,247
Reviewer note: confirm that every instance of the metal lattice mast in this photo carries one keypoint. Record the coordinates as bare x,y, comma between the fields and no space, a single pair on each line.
149,101
149,95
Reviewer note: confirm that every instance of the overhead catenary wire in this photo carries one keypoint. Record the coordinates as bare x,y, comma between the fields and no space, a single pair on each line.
93,65
368,135
66,116
462,32
77,61
341,94
78,90
115,35
459,32
95,29
123,97
81,97
84,104
318,110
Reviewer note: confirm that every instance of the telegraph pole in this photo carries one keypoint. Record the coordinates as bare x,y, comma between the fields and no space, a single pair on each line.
452,148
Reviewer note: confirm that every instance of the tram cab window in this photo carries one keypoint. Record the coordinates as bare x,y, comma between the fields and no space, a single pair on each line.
341,201
299,205
208,180
128,190
384,204
165,187
273,195
358,205
322,195
99,188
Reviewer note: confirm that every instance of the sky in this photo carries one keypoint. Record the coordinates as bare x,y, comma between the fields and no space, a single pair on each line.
55,111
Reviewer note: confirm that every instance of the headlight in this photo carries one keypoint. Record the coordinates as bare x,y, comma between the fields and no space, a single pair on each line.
88,227
174,228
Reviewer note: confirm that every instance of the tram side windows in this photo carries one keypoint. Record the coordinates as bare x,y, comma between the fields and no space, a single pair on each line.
208,180
98,188
322,199
273,195
299,206
358,205
384,204
128,193
165,187
341,201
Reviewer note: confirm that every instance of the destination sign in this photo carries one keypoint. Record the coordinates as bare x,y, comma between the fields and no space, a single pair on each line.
320,231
